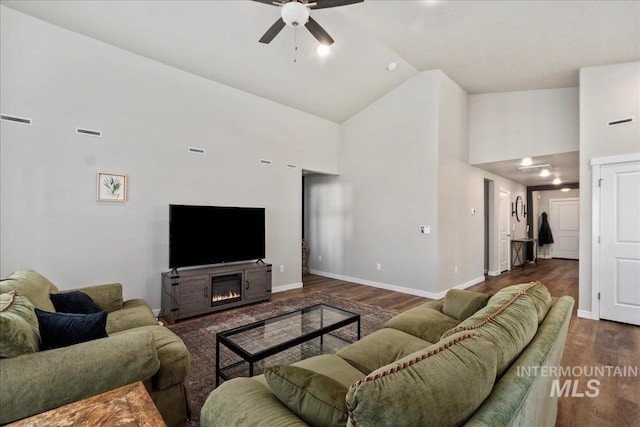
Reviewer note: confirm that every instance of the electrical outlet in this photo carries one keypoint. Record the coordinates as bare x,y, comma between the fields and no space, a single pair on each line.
455,269
378,266
425,229
282,269
319,257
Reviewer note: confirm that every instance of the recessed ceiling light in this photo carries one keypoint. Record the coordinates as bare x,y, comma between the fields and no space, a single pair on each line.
323,50
392,66
526,161
531,167
545,172
565,190
557,181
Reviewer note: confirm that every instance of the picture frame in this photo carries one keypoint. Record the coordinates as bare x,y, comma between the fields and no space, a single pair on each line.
112,187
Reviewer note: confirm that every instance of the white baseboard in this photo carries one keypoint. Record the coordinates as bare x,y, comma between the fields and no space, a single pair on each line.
410,291
288,287
585,314
493,273
470,283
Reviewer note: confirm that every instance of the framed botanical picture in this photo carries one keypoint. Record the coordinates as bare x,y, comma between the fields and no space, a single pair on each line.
112,187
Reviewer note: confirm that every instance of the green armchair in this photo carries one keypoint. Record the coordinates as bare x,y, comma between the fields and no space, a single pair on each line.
136,349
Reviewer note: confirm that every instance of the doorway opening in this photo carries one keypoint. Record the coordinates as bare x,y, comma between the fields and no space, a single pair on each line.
497,245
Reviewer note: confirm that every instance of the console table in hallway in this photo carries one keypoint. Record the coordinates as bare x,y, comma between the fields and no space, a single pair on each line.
519,250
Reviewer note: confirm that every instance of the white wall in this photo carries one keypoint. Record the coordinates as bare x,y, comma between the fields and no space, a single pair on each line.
403,164
149,114
607,92
513,125
460,189
388,186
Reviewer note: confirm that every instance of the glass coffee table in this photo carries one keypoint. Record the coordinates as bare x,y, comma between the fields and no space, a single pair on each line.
265,338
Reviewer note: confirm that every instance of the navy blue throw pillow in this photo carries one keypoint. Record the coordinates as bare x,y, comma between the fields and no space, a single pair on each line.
64,329
74,302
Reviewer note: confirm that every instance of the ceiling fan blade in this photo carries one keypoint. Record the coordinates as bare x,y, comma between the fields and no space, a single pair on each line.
318,32
323,4
272,32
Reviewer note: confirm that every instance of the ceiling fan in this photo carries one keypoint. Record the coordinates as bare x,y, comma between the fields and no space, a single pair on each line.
296,13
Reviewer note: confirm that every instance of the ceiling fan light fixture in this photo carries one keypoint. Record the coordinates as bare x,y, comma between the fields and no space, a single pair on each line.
294,14
323,49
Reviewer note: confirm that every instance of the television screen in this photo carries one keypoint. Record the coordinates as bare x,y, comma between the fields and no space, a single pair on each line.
203,235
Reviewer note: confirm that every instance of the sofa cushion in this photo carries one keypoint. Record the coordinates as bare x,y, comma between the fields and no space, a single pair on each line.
440,385
509,325
333,367
246,402
381,348
461,303
174,357
539,294
316,398
32,285
18,326
74,302
65,329
425,321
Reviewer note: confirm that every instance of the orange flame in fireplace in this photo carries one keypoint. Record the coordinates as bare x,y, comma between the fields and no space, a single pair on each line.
229,295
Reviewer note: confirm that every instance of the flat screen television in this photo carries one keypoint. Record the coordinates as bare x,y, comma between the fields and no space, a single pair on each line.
204,235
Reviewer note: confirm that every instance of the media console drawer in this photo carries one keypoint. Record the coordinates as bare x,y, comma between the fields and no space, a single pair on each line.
204,290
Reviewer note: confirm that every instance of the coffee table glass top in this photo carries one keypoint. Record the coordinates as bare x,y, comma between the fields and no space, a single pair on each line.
270,333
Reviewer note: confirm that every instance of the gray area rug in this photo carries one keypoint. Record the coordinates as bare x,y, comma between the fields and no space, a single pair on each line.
199,335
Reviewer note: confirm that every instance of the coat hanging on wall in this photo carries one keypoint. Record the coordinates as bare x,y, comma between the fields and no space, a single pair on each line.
545,237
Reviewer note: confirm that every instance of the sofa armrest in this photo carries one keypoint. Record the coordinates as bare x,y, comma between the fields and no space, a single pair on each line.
245,401
133,314
36,382
107,297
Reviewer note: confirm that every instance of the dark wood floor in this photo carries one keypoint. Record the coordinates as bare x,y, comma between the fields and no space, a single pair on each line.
590,343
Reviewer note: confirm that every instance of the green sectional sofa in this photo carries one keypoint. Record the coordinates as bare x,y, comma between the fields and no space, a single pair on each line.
453,362
137,348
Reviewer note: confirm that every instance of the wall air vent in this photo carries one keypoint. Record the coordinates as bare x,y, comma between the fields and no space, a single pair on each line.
15,119
89,132
196,150
624,121
291,165
265,162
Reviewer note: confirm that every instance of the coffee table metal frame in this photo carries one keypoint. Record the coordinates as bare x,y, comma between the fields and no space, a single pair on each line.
224,338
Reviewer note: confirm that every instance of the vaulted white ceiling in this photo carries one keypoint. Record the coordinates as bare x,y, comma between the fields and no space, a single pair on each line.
485,46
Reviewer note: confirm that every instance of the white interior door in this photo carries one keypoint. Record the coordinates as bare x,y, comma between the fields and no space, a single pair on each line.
564,220
504,213
620,242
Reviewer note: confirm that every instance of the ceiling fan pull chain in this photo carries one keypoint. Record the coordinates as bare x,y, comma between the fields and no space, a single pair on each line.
295,44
